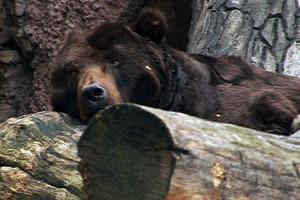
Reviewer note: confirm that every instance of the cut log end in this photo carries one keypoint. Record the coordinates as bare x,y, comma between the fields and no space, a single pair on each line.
123,163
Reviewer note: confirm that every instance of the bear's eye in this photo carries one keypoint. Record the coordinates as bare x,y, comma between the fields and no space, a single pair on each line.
112,59
71,70
114,62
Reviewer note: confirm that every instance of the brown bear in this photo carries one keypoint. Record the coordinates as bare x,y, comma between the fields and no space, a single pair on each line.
118,62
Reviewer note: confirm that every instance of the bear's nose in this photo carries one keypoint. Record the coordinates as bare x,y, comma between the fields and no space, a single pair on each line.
94,93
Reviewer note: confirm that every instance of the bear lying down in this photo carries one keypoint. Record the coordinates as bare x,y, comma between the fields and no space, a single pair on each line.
117,62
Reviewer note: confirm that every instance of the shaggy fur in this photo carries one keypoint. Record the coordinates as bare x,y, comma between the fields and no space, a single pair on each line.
118,62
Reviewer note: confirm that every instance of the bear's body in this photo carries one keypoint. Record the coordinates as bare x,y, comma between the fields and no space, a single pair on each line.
116,63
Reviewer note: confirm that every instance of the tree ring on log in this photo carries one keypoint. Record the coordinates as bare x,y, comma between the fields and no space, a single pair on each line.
134,165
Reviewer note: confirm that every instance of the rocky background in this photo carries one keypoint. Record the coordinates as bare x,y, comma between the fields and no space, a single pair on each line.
31,33
264,32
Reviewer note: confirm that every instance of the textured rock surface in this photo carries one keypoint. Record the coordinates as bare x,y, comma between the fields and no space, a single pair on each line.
264,32
38,158
10,57
32,31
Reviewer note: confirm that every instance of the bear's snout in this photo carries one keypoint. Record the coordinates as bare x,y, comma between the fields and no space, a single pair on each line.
93,98
96,89
93,94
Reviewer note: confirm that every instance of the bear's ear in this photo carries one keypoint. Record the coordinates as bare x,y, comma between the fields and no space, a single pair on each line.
151,24
69,35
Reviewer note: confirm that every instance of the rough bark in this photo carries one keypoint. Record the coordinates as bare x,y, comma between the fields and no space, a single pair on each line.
32,31
130,152
264,32
38,158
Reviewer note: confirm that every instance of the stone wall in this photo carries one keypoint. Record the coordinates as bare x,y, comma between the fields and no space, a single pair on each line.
264,32
31,33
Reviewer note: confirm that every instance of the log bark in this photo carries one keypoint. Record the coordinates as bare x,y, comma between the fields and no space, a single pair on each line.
131,152
264,32
38,158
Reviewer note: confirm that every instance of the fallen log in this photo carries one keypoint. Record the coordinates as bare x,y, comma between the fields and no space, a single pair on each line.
131,152
38,158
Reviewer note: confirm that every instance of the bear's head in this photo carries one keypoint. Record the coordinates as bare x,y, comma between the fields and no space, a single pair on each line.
110,64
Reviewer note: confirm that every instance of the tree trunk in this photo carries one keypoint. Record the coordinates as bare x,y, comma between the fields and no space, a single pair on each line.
131,152
264,32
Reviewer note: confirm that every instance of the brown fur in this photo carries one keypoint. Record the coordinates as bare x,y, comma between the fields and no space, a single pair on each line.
132,63
92,75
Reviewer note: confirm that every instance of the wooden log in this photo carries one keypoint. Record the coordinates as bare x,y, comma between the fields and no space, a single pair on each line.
131,152
38,158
